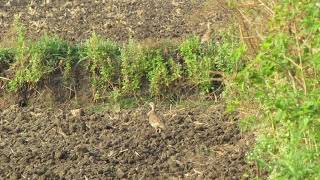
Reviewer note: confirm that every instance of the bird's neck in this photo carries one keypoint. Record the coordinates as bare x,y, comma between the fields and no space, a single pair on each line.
151,111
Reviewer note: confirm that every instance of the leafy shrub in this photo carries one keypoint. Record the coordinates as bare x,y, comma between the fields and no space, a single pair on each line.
198,67
104,63
202,59
158,74
21,44
7,56
69,65
227,54
21,50
190,50
283,83
46,54
133,67
175,70
41,58
162,69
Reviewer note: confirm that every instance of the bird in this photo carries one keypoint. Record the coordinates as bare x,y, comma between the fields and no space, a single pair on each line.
207,35
154,120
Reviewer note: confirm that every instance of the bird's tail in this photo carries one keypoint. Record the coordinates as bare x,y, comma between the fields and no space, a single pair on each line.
162,126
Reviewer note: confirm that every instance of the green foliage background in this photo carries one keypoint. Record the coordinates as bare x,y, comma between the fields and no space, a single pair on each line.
283,84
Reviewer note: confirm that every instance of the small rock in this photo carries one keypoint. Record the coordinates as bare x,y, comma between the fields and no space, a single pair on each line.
77,112
93,117
61,155
120,173
190,133
4,158
81,148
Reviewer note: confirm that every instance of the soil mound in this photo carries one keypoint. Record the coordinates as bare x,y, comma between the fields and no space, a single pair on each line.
51,143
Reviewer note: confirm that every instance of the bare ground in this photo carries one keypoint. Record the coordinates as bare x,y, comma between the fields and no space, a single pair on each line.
115,19
199,143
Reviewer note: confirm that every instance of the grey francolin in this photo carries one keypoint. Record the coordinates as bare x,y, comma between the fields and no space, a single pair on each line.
154,120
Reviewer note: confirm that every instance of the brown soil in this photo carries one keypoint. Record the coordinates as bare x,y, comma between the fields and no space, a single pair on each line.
118,20
48,143
200,142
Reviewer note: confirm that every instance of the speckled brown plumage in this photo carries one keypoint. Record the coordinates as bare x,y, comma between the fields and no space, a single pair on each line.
154,120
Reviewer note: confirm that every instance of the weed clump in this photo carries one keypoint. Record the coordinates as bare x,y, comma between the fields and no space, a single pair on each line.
40,59
125,71
204,59
283,84
162,74
103,64
133,67
7,57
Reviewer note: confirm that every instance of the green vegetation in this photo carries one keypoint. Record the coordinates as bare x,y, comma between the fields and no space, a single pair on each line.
282,86
34,61
38,60
276,90
117,71
103,65
202,60
198,67
133,67
7,56
161,77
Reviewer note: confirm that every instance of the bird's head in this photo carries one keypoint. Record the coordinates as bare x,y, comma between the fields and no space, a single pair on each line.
151,104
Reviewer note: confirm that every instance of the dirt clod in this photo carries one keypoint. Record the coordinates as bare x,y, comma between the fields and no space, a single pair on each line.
77,112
